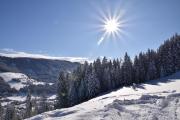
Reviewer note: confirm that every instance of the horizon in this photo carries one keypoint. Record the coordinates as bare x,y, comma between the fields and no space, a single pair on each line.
11,53
74,29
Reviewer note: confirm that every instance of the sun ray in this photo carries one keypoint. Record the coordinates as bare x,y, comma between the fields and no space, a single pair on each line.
112,22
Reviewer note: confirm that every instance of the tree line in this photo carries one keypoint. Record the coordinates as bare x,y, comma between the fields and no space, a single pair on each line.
92,79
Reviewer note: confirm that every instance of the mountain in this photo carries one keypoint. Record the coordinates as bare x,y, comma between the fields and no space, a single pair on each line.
40,69
154,100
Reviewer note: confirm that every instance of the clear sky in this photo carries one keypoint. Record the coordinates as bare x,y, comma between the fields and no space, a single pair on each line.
71,27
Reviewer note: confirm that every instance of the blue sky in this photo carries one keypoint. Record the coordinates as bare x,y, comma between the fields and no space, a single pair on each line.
70,27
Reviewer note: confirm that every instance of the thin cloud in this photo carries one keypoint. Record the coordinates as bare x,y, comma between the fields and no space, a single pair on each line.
17,54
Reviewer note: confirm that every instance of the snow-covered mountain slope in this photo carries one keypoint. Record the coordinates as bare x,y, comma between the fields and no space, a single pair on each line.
18,80
41,69
154,100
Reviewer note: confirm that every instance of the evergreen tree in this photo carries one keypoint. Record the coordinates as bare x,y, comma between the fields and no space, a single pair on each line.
73,95
35,109
43,107
93,84
127,70
1,112
28,112
62,91
10,113
142,67
151,65
152,72
136,69
99,71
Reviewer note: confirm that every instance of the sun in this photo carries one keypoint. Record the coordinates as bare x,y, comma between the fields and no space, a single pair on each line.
111,26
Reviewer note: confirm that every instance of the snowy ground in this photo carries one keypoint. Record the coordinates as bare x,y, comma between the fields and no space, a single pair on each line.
19,80
158,99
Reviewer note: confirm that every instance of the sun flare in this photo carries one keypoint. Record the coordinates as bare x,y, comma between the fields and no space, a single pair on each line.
111,26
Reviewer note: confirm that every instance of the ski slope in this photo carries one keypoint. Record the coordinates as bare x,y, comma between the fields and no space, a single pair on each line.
157,99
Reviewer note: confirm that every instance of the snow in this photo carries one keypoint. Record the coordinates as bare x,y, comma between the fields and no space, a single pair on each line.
157,99
17,98
21,98
19,80
8,76
52,97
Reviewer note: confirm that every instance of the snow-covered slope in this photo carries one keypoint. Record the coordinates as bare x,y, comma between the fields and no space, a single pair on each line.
45,70
157,99
18,80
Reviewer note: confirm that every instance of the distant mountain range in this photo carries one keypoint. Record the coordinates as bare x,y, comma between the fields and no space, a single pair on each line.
45,70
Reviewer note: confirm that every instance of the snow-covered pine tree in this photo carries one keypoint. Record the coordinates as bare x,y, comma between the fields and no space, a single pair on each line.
114,74
82,83
99,71
166,58
107,84
136,69
142,67
93,84
151,66
1,112
73,95
177,44
175,52
127,70
43,105
10,113
62,91
152,71
35,107
28,112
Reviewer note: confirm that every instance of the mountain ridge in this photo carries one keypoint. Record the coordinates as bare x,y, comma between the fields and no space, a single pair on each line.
41,69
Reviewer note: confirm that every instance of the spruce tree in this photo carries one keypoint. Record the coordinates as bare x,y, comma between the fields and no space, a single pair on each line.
93,84
1,112
10,113
127,70
43,105
28,112
136,69
62,91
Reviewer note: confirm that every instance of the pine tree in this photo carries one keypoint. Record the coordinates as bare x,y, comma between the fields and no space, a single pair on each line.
43,104
152,72
107,84
136,69
99,71
73,95
177,53
28,112
82,91
62,91
10,113
93,84
127,70
1,112
142,67
35,108
151,65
